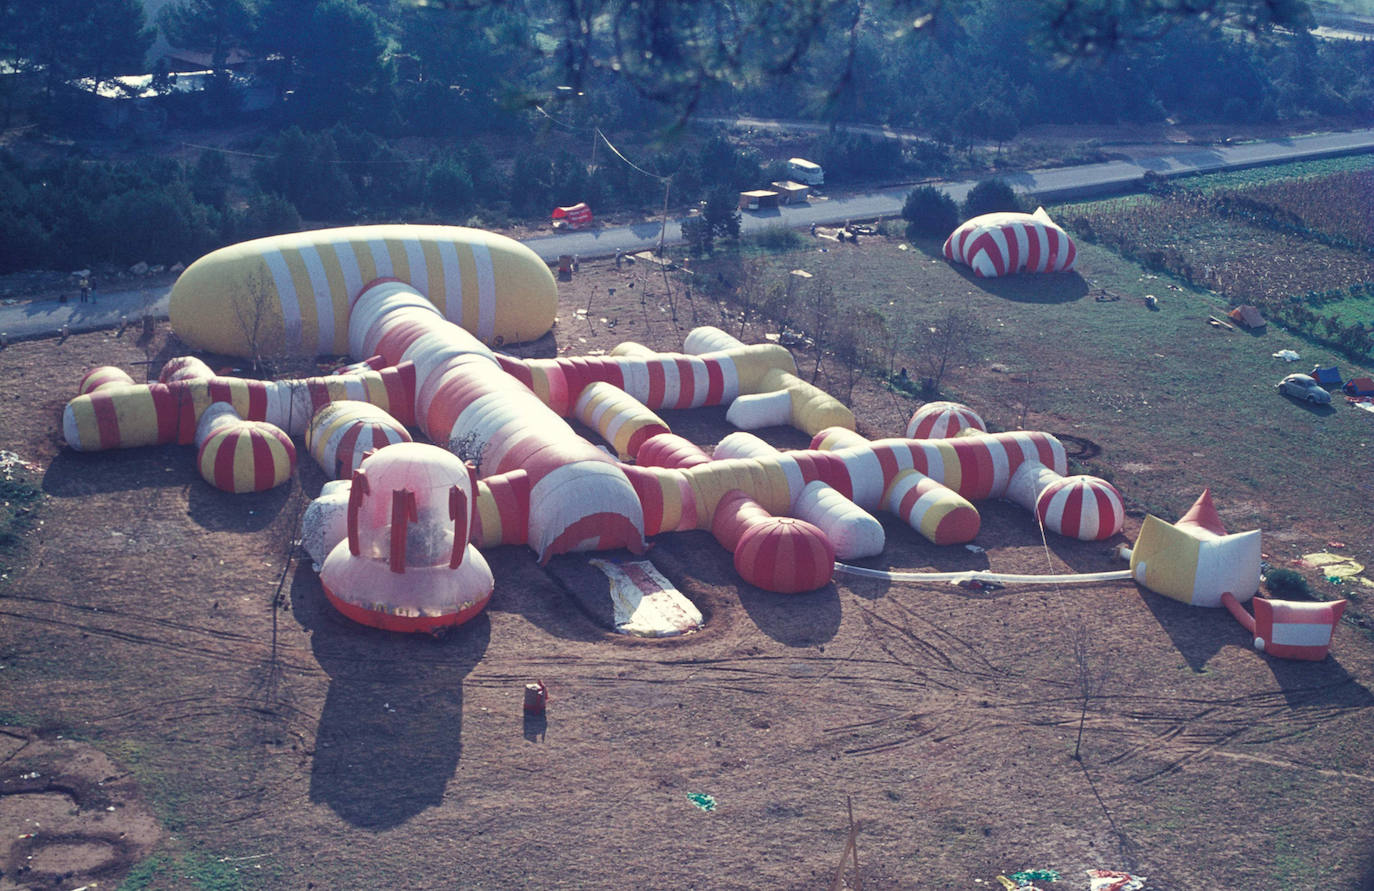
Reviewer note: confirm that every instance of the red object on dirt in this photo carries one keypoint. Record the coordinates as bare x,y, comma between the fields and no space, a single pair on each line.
536,698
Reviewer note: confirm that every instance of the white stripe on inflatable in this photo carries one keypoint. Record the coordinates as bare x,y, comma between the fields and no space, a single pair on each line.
1001,471
1301,634
730,380
323,295
865,476
701,382
348,266
755,410
1043,239
635,374
853,531
381,258
287,296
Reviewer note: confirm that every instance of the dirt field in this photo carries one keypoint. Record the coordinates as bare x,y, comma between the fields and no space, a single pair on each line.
183,709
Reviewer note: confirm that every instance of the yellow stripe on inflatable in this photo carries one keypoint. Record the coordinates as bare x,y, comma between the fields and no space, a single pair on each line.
261,293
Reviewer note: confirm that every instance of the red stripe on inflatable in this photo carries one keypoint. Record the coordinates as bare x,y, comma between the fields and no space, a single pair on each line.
257,401
959,526
650,496
887,461
1071,517
219,390
264,461
319,393
1052,240
715,382
1033,258
656,383
516,368
399,383
975,468
165,410
185,407
961,247
606,529
222,448
409,624
1069,255
687,383
106,419
611,371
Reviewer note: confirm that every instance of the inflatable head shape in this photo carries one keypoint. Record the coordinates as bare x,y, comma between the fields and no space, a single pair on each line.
1195,561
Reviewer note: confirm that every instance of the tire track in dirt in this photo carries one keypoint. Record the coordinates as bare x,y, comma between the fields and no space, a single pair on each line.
202,652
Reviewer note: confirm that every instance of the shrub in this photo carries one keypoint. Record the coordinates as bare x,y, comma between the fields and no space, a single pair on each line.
990,196
1286,583
778,238
929,213
267,213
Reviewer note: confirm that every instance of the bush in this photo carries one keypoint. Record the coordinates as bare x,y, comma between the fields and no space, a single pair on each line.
1286,583
266,214
448,187
778,238
929,213
990,196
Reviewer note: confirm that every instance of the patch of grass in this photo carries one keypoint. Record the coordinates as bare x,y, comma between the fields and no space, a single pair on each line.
194,872
21,495
775,239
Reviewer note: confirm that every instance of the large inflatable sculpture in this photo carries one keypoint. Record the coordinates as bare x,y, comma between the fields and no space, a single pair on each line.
396,533
1008,242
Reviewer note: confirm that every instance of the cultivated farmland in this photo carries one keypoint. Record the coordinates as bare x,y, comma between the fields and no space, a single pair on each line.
1296,241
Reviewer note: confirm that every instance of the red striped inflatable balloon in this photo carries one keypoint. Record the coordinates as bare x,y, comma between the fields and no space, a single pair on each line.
1082,507
785,555
1006,242
941,420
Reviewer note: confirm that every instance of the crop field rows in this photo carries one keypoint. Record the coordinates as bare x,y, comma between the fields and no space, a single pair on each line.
1297,241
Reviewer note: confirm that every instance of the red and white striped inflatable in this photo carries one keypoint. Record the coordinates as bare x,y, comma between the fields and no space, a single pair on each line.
941,420
1081,507
1289,629
241,456
1007,242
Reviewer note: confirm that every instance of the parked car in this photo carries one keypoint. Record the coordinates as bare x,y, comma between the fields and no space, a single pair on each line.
1305,387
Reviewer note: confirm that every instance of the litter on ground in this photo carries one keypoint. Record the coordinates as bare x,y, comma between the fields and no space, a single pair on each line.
1112,880
703,801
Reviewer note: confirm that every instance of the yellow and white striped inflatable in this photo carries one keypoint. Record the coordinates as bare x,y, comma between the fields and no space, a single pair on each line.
291,294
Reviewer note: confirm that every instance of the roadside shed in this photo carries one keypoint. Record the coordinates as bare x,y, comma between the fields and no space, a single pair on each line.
758,199
790,191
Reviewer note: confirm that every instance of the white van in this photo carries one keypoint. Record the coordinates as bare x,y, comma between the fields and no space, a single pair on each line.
804,171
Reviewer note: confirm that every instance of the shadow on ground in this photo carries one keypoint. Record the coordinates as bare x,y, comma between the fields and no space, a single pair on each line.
390,734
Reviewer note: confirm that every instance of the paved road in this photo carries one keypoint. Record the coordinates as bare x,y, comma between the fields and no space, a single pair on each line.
1059,183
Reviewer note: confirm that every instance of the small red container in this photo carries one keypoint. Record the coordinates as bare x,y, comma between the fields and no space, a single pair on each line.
536,697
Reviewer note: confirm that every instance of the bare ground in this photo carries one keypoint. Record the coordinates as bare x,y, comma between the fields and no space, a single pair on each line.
176,631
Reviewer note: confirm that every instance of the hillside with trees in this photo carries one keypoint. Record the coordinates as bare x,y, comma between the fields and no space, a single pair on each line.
490,112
